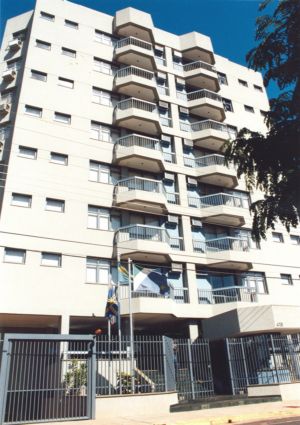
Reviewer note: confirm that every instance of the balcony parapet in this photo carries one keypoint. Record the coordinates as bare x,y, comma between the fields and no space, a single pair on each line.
227,295
134,51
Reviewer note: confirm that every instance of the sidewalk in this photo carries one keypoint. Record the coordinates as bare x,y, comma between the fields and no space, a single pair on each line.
225,415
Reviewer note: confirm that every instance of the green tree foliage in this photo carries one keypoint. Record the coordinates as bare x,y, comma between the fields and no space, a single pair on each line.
271,162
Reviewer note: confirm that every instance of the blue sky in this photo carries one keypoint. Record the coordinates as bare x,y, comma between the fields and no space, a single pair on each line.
230,23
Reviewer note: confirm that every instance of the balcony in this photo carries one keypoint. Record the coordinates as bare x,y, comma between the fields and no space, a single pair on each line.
208,134
179,295
231,294
141,194
207,104
202,75
4,109
139,152
221,208
225,253
211,169
136,52
139,115
146,243
136,82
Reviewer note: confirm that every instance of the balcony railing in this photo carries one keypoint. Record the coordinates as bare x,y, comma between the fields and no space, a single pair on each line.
134,42
141,183
179,295
138,104
163,90
204,161
166,121
226,295
173,197
140,141
218,199
197,65
201,94
206,125
169,157
134,70
227,243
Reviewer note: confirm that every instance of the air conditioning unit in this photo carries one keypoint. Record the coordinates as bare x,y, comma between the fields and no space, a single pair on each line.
173,219
9,75
161,75
183,110
177,54
160,48
4,108
196,222
188,143
165,138
176,267
164,105
169,177
192,182
180,81
15,44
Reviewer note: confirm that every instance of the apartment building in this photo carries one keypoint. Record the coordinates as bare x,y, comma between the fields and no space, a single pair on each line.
112,133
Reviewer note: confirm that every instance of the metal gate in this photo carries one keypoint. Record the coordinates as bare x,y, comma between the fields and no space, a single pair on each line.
263,359
47,378
193,370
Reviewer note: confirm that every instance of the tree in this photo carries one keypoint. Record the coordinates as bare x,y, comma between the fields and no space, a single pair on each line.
271,162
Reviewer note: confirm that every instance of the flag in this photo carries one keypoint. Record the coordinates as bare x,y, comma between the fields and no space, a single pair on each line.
123,275
152,280
112,306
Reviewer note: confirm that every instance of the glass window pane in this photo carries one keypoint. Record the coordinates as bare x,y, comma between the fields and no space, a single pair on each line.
92,221
14,256
49,259
91,274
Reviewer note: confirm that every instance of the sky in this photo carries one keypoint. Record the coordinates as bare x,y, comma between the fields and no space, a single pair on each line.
229,23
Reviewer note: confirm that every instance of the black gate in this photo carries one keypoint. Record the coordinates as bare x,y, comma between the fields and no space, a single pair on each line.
193,370
46,378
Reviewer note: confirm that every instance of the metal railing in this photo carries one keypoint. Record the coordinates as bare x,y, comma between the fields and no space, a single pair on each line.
173,197
163,90
149,233
204,161
263,360
166,122
138,104
205,125
134,70
198,64
169,157
227,243
179,295
217,199
141,141
133,41
200,94
227,295
140,183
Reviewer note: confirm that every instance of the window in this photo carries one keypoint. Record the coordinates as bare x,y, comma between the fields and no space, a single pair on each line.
12,255
29,153
243,83
99,172
47,16
63,118
20,200
249,109
71,24
102,97
38,75
227,105
59,158
56,205
98,218
14,64
68,52
286,279
97,270
222,78
43,44
277,237
103,38
258,88
33,110
103,132
51,259
295,239
64,82
102,66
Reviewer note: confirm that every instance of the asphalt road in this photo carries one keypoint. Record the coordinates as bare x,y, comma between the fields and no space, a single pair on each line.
283,421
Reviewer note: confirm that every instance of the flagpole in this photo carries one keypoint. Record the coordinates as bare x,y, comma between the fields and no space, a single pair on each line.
119,320
109,356
131,325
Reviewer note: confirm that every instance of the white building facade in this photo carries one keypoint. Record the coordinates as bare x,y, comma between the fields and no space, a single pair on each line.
112,133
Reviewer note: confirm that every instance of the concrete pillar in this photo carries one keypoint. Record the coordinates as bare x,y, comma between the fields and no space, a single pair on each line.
179,151
65,325
181,180
192,282
193,332
187,233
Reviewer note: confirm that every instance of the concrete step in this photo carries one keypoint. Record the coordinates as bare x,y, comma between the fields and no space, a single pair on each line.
220,401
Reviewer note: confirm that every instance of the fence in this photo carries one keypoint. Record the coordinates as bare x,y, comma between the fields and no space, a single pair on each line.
227,295
200,94
217,199
179,295
133,70
204,161
263,359
198,65
132,41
